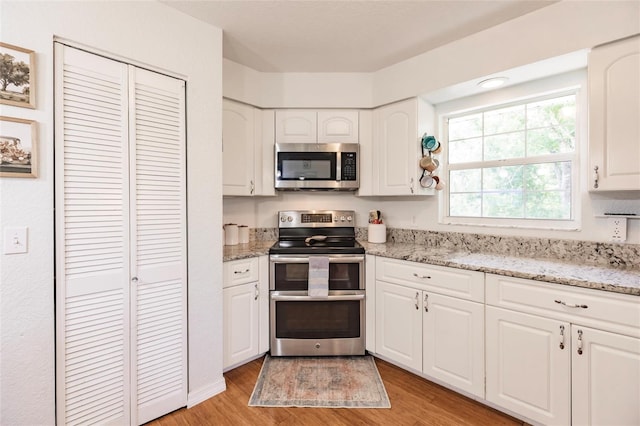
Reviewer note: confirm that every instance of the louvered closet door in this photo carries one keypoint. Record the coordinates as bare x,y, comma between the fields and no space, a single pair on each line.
158,212
92,240
120,241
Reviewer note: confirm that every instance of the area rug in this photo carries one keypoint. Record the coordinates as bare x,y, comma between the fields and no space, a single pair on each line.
329,382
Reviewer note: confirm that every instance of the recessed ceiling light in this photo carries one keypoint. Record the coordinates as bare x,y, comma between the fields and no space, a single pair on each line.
492,83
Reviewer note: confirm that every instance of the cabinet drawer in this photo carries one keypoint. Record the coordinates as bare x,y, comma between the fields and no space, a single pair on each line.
448,281
616,312
240,272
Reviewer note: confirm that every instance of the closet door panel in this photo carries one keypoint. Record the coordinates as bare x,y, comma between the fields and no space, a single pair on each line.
92,239
158,232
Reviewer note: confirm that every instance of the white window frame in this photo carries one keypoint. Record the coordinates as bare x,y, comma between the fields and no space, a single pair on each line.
556,86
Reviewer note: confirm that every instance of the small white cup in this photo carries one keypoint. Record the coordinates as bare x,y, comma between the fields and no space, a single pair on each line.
377,233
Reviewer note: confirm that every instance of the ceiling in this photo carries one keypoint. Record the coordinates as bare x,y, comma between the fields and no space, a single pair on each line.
346,35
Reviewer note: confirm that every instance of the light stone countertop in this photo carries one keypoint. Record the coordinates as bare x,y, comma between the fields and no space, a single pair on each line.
618,280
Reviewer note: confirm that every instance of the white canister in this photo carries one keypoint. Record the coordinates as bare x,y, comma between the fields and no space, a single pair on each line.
231,234
243,234
377,233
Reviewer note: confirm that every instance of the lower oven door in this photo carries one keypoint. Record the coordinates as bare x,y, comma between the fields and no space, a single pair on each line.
302,325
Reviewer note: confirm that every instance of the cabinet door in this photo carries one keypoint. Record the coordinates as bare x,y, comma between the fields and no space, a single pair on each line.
238,140
527,370
399,324
241,316
453,341
606,378
614,108
296,126
338,126
394,142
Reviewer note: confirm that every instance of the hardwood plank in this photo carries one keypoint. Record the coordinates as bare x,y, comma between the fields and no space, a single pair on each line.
414,401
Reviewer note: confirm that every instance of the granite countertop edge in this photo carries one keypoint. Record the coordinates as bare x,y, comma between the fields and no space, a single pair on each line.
617,280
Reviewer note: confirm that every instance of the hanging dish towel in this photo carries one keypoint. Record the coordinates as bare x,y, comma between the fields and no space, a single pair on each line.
318,276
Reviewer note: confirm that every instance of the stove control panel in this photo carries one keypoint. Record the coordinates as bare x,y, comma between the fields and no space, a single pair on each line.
316,218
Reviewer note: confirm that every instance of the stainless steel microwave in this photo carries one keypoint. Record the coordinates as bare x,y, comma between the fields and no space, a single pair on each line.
317,166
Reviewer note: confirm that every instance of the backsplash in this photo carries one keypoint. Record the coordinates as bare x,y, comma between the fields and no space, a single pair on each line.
588,252
594,253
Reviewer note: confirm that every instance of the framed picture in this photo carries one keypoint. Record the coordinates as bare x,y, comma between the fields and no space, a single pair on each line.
17,76
18,154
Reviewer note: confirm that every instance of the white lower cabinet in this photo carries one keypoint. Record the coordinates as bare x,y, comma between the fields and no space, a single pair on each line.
559,355
605,378
246,310
528,372
419,328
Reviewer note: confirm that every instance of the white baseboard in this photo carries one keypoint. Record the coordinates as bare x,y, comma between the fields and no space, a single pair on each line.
196,397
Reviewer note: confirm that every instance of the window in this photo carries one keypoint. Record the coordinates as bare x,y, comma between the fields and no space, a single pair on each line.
514,164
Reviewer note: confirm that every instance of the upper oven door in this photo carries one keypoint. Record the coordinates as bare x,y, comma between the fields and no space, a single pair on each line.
291,272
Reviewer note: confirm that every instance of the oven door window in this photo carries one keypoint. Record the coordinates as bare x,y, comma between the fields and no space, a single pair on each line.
318,319
295,276
307,166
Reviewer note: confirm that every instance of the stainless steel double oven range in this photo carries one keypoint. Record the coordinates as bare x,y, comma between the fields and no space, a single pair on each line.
306,325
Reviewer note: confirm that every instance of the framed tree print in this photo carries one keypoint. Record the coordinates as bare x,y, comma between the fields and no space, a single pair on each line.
18,154
17,76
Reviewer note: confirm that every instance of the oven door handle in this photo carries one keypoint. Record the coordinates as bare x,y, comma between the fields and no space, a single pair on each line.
287,258
331,298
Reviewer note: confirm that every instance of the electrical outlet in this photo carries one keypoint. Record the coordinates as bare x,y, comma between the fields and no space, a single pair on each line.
618,229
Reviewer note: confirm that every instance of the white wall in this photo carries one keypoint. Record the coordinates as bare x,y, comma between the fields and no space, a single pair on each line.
559,29
147,33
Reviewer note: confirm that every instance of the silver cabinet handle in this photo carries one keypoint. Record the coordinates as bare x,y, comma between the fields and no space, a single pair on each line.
257,293
423,277
417,300
134,279
579,342
596,178
562,337
426,304
570,305
411,185
242,272
253,187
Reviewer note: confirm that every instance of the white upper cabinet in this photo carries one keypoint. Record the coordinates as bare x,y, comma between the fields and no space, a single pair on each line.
338,126
311,126
396,153
247,150
614,116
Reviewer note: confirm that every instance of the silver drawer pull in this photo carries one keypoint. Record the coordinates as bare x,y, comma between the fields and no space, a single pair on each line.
571,305
242,272
427,277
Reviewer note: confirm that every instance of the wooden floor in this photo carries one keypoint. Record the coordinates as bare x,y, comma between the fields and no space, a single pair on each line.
414,401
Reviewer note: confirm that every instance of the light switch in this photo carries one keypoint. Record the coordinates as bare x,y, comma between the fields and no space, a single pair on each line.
15,240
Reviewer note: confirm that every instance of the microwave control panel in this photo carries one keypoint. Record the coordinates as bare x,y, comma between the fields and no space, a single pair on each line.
349,166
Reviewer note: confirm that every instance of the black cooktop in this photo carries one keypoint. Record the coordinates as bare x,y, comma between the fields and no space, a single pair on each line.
329,246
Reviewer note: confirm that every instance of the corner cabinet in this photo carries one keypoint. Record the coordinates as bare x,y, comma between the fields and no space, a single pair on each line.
559,355
396,150
247,150
614,109
316,126
431,319
245,296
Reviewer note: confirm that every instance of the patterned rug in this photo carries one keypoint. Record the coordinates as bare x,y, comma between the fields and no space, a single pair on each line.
330,382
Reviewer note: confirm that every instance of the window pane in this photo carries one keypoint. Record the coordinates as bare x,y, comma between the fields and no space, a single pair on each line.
504,120
552,140
548,205
465,151
552,112
465,205
498,178
500,147
465,180
548,176
469,126
503,204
